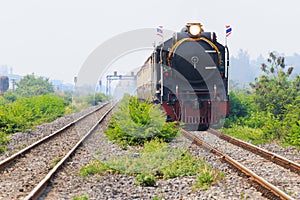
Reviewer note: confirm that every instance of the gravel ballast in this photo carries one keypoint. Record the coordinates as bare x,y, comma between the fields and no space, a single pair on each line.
68,183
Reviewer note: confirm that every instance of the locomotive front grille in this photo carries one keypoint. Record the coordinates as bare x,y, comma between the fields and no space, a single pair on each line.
194,120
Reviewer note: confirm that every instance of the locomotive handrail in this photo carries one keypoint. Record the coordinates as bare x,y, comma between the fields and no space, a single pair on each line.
193,39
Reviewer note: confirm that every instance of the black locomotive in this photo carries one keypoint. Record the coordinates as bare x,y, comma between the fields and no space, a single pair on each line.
188,75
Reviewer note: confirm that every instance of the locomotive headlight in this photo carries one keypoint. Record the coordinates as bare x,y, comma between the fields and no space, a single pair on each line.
194,29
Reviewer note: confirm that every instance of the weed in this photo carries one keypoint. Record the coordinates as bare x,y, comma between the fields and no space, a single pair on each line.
156,160
206,178
56,160
4,140
82,197
145,180
98,152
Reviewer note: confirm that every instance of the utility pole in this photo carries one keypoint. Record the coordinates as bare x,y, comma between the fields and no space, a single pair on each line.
13,83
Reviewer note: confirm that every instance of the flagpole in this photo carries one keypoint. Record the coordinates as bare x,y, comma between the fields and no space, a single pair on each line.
161,34
227,33
162,71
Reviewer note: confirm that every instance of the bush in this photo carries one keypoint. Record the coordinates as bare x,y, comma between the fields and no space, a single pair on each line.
207,178
253,135
3,141
145,180
11,96
91,99
23,114
136,122
292,125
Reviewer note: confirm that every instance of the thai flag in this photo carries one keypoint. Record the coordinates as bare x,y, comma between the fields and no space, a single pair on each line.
159,31
228,30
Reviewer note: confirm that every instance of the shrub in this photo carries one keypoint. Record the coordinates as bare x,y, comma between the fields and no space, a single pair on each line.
3,141
184,165
136,122
145,180
95,167
207,178
253,135
23,114
292,125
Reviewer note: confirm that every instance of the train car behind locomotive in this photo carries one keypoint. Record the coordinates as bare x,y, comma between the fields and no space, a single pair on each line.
4,84
188,75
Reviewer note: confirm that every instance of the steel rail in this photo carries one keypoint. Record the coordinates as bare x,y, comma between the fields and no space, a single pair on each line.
11,158
284,162
253,177
37,191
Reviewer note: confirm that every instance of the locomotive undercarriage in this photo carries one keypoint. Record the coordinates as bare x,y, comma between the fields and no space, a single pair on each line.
197,110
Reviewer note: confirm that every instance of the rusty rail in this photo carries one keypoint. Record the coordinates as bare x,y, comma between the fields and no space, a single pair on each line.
38,190
268,188
286,163
8,160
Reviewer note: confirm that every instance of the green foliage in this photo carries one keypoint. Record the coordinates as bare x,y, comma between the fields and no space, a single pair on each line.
91,99
239,108
238,104
145,180
184,165
11,96
271,107
94,167
56,160
156,160
24,113
4,140
136,122
253,135
292,125
273,90
31,86
207,178
95,99
82,197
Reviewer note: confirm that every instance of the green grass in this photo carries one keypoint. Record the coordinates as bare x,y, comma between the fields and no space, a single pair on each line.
156,161
56,160
4,140
82,197
254,136
207,178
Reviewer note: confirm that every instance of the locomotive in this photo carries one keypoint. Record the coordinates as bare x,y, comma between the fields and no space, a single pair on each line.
188,76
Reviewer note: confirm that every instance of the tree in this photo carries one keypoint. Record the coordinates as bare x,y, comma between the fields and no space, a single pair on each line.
31,86
274,90
276,94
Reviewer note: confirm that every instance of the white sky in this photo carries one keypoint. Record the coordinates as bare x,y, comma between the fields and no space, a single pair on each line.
53,38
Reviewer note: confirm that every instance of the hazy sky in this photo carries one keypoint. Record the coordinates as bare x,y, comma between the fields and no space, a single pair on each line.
53,38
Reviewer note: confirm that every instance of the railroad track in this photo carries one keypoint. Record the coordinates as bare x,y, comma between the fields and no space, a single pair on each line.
286,163
25,174
260,166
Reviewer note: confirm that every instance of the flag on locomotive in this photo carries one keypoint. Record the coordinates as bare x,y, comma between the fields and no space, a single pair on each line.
159,31
188,75
228,30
